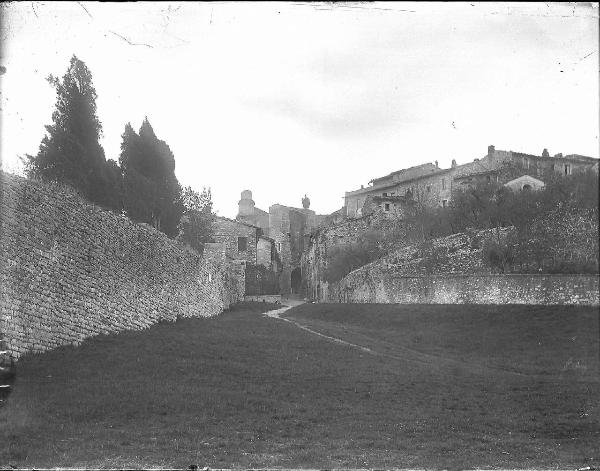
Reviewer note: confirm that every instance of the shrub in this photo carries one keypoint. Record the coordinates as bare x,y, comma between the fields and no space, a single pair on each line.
344,258
499,255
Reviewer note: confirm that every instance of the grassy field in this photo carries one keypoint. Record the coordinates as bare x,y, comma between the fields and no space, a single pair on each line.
444,386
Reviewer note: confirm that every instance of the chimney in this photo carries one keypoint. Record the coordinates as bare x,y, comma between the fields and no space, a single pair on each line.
453,163
491,150
436,164
545,153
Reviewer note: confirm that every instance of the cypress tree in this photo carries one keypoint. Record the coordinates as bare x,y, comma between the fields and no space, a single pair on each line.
70,152
152,192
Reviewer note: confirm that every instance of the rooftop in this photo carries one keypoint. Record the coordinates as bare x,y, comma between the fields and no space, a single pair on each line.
427,167
393,184
473,168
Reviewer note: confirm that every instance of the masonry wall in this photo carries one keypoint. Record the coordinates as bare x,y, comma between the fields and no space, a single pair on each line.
70,270
279,231
450,269
264,252
314,258
428,190
361,287
227,231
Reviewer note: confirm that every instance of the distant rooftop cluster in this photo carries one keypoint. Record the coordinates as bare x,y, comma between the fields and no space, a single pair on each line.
433,186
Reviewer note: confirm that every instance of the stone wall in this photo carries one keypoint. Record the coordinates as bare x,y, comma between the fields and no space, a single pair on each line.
320,241
228,232
444,270
70,270
361,286
265,249
234,271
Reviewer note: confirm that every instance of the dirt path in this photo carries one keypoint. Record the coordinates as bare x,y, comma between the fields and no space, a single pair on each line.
400,353
290,303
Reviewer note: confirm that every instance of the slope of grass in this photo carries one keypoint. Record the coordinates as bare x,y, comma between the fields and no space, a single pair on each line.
242,390
544,340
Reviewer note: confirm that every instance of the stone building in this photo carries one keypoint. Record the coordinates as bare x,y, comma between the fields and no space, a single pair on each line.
239,239
286,228
245,246
433,186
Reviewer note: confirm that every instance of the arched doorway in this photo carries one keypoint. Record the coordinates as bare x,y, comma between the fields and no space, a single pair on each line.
296,281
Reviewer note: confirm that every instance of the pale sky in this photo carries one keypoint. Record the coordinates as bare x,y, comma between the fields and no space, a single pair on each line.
288,99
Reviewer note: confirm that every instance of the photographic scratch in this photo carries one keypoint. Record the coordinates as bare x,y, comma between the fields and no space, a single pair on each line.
33,8
330,6
85,9
130,42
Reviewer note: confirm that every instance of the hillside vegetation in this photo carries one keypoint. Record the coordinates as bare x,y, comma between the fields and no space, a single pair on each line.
554,230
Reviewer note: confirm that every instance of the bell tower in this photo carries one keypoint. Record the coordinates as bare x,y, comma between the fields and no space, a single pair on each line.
246,204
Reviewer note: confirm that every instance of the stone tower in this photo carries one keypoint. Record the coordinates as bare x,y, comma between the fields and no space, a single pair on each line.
246,204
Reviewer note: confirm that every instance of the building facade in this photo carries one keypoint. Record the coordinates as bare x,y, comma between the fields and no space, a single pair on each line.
432,186
285,229
239,239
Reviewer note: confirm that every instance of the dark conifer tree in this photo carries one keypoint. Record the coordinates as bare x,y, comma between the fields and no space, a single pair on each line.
71,152
152,192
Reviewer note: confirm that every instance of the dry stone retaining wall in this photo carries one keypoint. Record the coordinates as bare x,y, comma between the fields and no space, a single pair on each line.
445,270
366,286
70,270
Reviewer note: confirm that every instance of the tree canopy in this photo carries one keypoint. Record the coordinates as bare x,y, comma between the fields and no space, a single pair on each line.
70,152
152,193
196,226
143,182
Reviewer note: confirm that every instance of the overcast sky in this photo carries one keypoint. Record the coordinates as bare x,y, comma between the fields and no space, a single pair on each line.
288,99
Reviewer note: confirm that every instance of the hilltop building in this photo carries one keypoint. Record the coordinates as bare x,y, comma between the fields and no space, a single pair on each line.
433,186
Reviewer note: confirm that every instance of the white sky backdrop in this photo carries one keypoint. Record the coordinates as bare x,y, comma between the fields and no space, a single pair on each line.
287,99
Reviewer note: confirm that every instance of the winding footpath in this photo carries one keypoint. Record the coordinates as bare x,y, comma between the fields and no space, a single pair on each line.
289,304
408,354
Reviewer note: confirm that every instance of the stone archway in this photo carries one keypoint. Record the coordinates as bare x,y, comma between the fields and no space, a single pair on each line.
296,280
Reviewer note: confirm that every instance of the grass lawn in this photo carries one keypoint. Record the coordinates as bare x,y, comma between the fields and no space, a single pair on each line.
448,387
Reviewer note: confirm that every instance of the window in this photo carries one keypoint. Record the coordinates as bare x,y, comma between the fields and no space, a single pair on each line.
428,188
385,194
279,246
242,244
443,184
526,187
488,179
387,206
444,203
567,169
